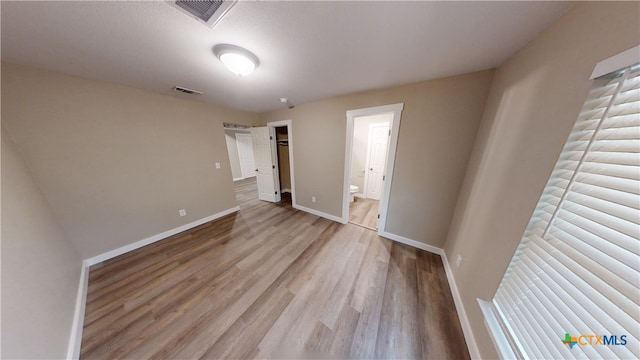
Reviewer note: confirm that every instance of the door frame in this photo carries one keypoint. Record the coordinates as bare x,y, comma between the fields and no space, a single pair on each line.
394,125
272,130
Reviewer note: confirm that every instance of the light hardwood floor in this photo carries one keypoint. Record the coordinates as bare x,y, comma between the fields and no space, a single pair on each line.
272,282
364,212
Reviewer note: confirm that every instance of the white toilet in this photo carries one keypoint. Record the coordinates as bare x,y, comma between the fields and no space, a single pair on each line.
352,191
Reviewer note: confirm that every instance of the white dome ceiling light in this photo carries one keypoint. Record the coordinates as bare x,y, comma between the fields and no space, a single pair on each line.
239,61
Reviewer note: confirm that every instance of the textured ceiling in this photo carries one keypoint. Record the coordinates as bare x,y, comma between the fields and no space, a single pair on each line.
307,50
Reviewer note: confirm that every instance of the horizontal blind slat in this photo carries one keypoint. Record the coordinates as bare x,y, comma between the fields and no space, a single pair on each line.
571,209
622,212
607,194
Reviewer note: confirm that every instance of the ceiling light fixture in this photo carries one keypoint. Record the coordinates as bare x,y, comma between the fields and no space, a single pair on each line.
239,61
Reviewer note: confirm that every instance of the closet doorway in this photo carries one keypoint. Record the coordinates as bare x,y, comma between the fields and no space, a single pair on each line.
284,165
273,153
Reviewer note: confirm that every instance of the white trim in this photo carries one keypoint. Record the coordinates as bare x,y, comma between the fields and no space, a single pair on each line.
616,62
289,125
285,191
361,196
150,240
396,110
498,337
238,179
412,243
75,338
474,352
319,213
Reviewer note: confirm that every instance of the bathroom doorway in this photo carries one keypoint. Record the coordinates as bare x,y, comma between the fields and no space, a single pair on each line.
368,160
372,136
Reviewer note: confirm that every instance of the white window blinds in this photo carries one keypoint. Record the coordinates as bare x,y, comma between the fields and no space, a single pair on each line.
577,269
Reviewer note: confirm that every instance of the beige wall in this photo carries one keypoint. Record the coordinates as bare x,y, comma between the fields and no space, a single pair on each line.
40,268
360,144
232,149
437,132
533,104
115,163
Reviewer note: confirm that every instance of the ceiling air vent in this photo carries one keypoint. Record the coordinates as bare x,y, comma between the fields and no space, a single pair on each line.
209,12
186,91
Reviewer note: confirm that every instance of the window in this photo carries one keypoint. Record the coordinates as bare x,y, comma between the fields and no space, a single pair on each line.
576,272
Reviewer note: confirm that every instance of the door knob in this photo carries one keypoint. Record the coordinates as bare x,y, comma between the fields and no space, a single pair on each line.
256,170
371,169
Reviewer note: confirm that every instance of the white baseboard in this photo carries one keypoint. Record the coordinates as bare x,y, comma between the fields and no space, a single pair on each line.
320,213
361,196
150,240
413,243
75,338
286,191
474,352
238,179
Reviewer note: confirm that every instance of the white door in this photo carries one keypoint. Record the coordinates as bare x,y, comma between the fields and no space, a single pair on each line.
267,177
245,154
378,140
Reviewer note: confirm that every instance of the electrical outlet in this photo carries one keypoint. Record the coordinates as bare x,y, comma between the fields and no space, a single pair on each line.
217,165
458,261
182,212
313,199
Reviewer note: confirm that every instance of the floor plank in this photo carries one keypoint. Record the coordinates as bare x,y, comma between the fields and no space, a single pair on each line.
364,212
272,282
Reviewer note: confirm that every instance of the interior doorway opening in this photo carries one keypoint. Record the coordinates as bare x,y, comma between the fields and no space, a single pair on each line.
371,135
369,185
273,153
283,162
240,149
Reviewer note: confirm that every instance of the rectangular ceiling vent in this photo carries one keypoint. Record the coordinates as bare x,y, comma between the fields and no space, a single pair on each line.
186,91
208,12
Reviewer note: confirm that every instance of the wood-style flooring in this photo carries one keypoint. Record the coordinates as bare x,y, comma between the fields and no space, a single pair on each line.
364,212
271,282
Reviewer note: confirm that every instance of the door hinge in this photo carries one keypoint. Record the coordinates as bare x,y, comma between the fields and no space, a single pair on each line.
273,166
378,216
384,177
389,132
276,193
270,137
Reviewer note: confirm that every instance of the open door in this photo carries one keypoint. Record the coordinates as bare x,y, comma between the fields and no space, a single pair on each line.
379,135
266,169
